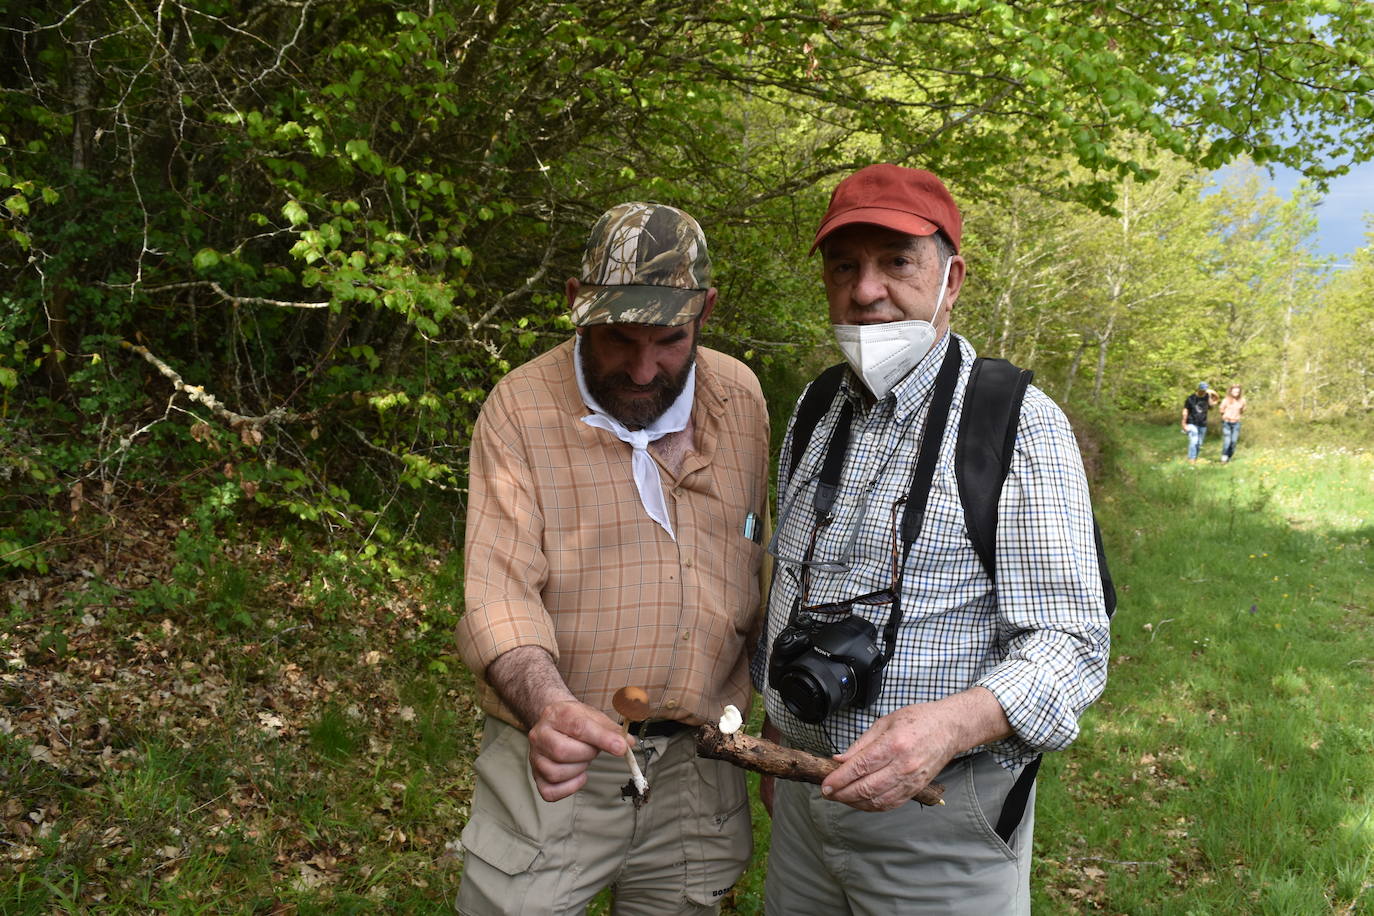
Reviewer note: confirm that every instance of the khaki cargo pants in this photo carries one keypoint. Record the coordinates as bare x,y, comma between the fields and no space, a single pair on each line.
677,854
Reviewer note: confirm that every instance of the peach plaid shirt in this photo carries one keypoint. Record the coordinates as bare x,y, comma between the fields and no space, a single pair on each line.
561,554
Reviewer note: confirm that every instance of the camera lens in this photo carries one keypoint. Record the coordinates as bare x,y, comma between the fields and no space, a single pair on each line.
813,687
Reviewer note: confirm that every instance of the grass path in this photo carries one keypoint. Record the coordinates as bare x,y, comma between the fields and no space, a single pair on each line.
1228,768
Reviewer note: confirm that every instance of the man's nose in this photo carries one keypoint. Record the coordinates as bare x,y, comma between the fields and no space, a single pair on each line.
869,288
643,366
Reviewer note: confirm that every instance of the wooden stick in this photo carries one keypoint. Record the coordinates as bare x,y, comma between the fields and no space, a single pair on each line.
764,756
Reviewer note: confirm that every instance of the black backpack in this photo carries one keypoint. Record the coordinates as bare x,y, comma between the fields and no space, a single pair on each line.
982,457
982,453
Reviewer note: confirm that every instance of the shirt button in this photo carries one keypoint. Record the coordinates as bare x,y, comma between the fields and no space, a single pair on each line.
671,704
687,562
686,635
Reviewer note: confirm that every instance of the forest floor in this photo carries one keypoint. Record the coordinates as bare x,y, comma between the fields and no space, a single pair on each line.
200,722
189,725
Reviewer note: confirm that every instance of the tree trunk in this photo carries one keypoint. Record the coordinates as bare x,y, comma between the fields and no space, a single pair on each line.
1073,370
81,93
59,344
1104,339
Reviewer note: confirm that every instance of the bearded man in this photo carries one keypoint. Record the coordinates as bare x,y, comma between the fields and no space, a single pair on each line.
618,489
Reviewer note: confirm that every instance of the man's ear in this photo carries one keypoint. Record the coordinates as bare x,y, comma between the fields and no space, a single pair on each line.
706,309
957,271
571,288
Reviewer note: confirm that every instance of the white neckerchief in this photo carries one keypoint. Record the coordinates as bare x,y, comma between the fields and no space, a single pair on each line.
647,478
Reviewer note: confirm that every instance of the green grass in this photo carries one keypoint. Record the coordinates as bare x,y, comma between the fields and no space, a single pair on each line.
314,756
1228,766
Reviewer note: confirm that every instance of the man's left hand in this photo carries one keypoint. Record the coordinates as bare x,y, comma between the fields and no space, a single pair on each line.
907,748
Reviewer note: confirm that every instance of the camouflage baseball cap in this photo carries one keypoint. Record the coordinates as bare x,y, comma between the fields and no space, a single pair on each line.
644,264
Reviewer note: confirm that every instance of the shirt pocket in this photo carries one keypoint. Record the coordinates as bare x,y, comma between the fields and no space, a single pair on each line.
743,560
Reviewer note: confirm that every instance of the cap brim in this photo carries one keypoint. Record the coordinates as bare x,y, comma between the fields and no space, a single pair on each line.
896,220
666,306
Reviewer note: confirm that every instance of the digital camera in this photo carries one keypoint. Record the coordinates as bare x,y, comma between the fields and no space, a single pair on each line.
818,668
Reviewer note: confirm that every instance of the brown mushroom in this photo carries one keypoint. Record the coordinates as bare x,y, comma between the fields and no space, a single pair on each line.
632,703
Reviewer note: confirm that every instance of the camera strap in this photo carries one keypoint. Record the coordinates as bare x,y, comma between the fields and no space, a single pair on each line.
913,515
828,484
932,434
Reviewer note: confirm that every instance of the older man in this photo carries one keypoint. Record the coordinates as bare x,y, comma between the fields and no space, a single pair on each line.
613,539
947,675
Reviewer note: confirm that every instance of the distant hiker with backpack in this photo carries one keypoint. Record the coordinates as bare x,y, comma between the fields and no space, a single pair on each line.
1194,418
888,643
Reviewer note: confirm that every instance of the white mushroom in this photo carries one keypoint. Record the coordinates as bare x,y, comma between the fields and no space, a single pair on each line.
730,721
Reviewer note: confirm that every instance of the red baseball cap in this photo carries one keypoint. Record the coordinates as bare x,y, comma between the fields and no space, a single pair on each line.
906,200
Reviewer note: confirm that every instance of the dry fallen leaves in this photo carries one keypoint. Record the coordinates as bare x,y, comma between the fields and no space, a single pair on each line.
83,709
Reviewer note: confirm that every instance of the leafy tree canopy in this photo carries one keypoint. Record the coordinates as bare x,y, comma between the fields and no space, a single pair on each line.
304,239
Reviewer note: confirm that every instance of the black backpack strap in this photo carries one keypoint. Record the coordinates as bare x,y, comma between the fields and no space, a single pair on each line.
982,456
1014,808
1108,587
819,395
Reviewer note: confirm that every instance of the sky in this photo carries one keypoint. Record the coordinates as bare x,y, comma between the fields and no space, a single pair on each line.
1340,218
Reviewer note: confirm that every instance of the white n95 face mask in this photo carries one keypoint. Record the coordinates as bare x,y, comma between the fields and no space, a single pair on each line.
883,354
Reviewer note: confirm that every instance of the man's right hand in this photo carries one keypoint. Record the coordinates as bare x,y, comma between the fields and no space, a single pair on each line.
563,743
565,734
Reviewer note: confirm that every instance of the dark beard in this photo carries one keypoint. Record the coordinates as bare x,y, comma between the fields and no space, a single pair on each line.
634,413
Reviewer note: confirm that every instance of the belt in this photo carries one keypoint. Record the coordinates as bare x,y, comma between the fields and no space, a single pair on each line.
657,728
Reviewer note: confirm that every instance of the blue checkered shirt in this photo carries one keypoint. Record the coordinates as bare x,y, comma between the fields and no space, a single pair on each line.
1038,640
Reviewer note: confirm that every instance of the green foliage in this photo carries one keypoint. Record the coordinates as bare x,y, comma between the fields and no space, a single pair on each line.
1328,370
345,225
1187,281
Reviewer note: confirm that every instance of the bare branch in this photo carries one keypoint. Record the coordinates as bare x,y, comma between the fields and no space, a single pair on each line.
200,395
259,300
43,28
227,296
513,295
763,756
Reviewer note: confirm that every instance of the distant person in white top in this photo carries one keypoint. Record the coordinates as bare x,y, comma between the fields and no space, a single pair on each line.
1232,407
